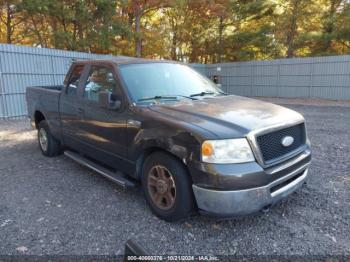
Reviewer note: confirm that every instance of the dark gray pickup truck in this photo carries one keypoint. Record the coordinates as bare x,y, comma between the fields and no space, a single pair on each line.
162,124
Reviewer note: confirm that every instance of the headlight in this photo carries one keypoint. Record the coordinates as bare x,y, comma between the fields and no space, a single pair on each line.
227,151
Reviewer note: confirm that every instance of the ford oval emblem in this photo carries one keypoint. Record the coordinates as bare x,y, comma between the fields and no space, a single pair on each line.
287,141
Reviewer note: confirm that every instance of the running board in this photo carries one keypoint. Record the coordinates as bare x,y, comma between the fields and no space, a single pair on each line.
116,177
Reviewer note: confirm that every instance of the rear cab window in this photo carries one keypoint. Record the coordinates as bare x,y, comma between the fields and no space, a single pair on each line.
73,80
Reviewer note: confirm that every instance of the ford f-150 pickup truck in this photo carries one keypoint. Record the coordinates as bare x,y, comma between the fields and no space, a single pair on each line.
163,125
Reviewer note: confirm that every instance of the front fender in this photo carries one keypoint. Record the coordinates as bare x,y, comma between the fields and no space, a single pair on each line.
149,131
177,142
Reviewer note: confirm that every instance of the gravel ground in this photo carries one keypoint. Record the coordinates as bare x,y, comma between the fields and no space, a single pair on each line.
55,206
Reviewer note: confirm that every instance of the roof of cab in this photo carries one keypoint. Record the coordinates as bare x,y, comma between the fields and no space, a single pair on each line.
121,60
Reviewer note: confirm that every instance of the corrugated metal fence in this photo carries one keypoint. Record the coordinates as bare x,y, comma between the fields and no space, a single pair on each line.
314,77
22,66
320,77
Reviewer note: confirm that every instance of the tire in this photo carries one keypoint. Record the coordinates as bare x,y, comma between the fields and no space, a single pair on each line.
174,181
48,145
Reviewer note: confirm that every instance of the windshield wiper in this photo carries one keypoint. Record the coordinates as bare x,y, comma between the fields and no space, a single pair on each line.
170,97
209,93
158,98
223,93
188,97
202,94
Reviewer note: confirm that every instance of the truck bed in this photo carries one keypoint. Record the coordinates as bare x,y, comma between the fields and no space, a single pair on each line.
46,100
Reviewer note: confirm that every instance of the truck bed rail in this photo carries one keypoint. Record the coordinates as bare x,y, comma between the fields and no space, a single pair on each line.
55,87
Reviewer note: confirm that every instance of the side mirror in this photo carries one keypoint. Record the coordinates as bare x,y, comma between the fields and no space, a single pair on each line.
108,100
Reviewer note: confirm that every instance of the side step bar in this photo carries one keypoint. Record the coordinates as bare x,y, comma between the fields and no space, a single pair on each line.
116,177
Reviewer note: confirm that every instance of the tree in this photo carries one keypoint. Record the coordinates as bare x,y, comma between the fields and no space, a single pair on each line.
326,39
10,18
137,9
198,31
296,22
342,32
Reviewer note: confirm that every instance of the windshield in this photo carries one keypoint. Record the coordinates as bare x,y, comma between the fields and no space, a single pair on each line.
151,81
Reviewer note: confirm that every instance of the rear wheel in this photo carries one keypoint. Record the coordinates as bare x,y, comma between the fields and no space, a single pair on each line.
48,145
167,187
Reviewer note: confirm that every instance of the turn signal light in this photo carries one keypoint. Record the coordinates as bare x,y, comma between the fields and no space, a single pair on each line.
207,149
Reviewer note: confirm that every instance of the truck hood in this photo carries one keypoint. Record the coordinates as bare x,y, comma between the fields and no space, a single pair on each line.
229,116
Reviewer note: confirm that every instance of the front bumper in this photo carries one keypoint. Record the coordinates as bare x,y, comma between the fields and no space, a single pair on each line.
240,202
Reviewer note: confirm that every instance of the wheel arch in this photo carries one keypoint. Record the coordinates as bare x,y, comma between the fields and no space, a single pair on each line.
154,149
38,117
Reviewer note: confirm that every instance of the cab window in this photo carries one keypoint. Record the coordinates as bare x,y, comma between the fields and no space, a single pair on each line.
100,79
73,81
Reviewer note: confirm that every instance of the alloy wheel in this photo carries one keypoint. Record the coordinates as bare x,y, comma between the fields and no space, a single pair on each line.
161,187
43,141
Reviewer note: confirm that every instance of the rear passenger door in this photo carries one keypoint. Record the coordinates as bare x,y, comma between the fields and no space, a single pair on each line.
104,129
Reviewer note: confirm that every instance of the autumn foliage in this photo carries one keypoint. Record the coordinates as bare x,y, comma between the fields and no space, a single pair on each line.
204,31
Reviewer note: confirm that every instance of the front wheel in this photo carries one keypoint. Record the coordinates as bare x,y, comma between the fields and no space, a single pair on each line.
48,145
167,187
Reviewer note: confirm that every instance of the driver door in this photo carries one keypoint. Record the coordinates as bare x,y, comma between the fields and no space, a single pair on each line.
103,129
